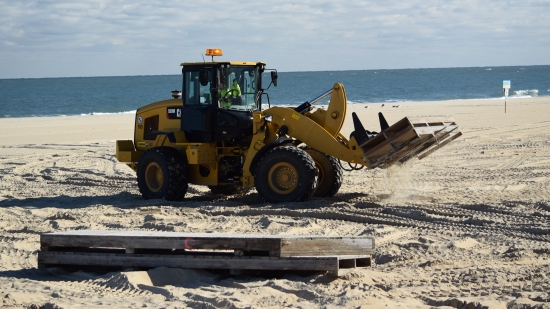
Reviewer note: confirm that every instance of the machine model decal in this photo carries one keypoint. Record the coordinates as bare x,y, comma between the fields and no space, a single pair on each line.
173,112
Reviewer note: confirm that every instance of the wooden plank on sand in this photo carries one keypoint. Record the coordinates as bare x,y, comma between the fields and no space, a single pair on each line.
310,263
275,245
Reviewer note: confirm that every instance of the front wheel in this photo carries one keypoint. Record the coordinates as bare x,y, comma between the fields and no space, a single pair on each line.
162,173
286,174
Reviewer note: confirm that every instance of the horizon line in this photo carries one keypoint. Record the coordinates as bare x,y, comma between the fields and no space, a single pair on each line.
100,76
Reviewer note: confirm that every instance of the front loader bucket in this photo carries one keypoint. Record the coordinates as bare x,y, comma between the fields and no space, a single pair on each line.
408,138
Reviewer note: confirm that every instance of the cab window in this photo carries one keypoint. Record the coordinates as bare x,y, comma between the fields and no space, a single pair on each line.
195,92
242,78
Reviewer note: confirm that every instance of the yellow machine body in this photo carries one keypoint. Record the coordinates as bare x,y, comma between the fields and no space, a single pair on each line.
302,133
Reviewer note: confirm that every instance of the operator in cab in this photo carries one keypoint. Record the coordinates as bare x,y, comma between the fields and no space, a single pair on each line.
226,94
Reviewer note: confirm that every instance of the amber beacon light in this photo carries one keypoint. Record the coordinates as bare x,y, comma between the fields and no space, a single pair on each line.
214,52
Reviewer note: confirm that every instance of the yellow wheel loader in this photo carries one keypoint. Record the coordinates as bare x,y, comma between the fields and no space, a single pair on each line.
223,138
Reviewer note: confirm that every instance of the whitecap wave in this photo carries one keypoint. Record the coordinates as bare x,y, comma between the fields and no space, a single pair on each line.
525,93
376,101
397,100
99,113
356,102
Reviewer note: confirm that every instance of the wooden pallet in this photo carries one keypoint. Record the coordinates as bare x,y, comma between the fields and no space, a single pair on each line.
205,251
408,138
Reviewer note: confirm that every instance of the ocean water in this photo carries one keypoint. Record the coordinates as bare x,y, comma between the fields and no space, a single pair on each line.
97,95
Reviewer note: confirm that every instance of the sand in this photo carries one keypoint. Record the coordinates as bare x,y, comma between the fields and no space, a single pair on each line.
467,227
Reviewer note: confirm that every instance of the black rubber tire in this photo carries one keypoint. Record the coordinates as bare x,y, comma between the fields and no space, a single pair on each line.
330,173
286,174
228,190
162,173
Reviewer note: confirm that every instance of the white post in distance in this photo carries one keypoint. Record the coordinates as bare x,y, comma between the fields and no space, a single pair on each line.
506,84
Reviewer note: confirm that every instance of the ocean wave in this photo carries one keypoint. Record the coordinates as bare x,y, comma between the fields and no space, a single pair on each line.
66,115
355,101
397,100
525,93
99,113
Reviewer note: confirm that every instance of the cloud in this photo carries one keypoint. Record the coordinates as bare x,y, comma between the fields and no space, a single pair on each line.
67,38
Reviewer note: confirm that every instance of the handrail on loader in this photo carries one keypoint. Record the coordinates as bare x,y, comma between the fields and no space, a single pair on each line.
307,105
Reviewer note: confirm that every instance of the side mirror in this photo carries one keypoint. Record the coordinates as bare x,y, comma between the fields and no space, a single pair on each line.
203,77
274,78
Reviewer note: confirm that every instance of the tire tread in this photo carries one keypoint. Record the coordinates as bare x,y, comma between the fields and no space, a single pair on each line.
177,173
305,161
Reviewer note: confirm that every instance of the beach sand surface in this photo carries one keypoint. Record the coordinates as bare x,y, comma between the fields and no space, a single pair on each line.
466,227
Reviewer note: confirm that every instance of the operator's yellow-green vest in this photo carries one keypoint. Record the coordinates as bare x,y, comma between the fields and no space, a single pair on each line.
234,91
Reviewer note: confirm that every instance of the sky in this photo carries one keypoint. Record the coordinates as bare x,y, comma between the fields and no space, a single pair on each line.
68,38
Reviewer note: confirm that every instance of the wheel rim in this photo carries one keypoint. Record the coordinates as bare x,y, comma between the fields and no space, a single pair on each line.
283,178
153,177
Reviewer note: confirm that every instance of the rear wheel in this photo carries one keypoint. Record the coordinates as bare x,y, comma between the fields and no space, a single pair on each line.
162,173
286,174
330,175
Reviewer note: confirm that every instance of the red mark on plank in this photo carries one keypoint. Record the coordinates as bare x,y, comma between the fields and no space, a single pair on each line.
188,242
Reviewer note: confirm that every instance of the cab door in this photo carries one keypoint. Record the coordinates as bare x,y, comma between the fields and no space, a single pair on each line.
198,112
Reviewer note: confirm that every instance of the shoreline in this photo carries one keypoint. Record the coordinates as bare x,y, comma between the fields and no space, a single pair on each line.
349,103
111,127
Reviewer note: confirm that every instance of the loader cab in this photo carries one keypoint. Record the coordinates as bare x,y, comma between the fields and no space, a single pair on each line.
219,99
